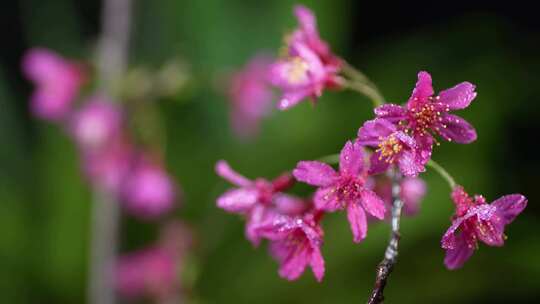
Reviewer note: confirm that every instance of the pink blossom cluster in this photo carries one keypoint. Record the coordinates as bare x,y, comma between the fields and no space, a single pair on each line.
97,124
400,139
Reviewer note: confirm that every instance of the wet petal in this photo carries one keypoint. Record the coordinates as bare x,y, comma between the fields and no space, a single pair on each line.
490,232
422,90
351,158
409,164
357,220
377,164
456,129
327,200
461,252
224,170
295,263
372,203
314,173
238,200
509,206
372,131
458,97
424,147
317,264
391,112
292,98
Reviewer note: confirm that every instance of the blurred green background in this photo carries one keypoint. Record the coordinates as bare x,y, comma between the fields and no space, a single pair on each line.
45,203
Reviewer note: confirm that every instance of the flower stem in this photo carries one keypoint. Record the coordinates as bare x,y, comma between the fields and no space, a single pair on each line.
360,83
331,159
111,62
443,173
390,256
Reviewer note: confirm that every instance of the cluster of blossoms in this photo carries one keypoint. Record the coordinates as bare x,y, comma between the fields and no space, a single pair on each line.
110,160
113,163
399,141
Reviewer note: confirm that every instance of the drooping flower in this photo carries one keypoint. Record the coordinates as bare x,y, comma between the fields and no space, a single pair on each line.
259,200
308,66
296,243
476,220
345,189
393,146
412,191
150,272
148,191
426,114
57,83
96,124
250,96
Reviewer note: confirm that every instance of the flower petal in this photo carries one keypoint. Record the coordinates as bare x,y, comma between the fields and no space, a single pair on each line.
456,129
458,97
391,112
224,170
314,173
422,90
377,164
317,264
238,200
351,158
424,147
412,191
371,132
295,263
292,98
462,251
289,205
372,203
409,164
357,220
327,200
490,232
509,206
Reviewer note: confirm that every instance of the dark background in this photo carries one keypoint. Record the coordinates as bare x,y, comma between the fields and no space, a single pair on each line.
45,203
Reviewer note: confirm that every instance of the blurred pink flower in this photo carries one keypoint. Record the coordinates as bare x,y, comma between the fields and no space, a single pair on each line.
345,189
96,124
148,191
393,146
260,200
57,83
151,272
108,167
476,220
250,96
295,243
412,191
308,67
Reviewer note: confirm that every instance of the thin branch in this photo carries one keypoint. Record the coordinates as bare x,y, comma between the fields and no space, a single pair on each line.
111,63
390,256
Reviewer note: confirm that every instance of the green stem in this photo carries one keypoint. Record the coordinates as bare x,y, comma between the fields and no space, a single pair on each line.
331,159
443,173
366,90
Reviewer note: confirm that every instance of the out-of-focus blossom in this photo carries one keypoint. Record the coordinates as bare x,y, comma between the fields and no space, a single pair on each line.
148,191
259,200
151,272
345,189
96,124
392,147
108,167
425,114
295,243
412,191
250,96
308,67
176,237
57,83
476,220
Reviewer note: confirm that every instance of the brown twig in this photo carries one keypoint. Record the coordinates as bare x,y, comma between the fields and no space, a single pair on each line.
390,256
111,63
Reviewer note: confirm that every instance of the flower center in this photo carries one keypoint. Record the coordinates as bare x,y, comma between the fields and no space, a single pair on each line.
350,189
389,148
426,116
297,71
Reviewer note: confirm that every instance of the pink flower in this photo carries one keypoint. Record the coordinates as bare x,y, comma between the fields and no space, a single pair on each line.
108,167
57,83
96,124
150,272
148,191
412,192
250,96
392,147
343,189
296,243
259,200
309,66
426,114
476,220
